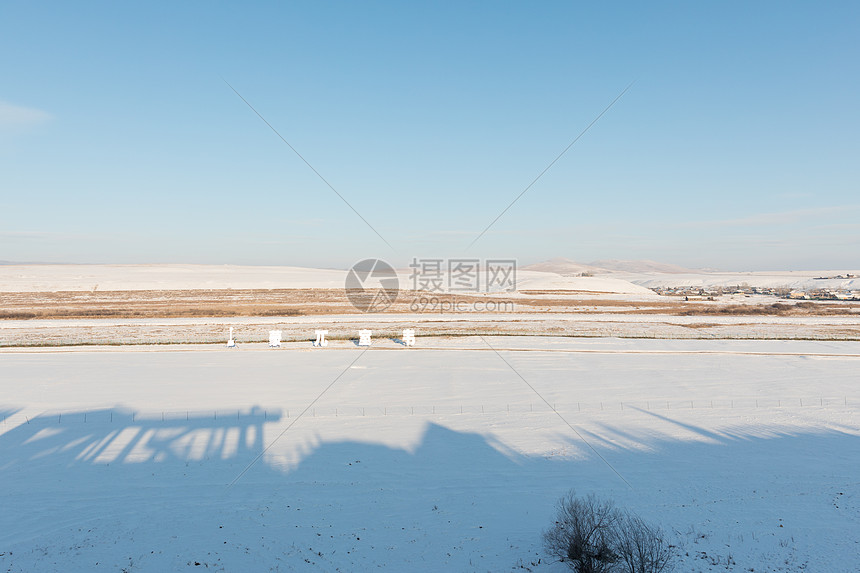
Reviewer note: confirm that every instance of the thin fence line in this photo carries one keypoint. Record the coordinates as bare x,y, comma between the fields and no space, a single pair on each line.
293,422
563,419
339,410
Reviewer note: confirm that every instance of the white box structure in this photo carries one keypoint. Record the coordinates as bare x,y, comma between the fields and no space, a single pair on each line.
230,342
275,339
321,341
364,337
409,336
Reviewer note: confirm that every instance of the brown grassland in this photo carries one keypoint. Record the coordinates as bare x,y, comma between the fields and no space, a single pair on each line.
310,302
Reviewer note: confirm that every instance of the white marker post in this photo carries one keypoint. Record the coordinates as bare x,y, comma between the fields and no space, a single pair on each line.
409,336
321,341
231,343
364,337
274,339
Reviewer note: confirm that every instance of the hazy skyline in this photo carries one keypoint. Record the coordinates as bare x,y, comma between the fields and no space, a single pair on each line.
735,148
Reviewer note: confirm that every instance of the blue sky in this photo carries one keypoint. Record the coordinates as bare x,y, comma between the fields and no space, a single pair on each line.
735,148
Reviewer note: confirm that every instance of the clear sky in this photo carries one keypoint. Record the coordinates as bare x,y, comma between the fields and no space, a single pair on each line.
736,147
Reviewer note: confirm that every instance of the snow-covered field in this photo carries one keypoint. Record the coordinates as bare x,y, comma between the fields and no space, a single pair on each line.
52,278
48,278
795,280
652,275
435,458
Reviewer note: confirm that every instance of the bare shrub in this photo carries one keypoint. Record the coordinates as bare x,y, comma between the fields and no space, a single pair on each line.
591,536
583,534
641,546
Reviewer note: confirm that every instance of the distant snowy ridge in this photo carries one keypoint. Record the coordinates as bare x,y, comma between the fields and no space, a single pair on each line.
543,281
564,267
567,267
652,275
53,278
796,281
639,266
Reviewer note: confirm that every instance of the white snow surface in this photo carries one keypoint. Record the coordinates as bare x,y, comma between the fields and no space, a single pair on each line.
434,458
797,280
536,280
54,278
651,274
